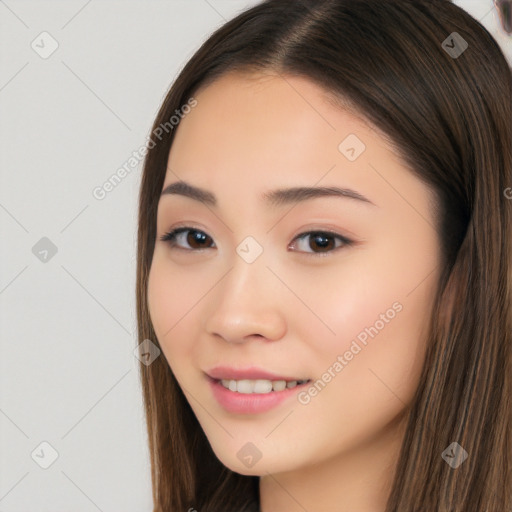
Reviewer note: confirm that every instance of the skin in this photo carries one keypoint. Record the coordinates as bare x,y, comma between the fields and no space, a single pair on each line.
291,312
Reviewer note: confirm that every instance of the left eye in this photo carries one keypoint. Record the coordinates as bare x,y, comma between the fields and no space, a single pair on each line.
324,240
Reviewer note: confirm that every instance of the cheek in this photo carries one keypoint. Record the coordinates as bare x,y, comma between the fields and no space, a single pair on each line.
380,309
171,300
160,295
360,300
368,373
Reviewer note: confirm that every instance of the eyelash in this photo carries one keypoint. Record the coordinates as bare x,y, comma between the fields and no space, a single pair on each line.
170,238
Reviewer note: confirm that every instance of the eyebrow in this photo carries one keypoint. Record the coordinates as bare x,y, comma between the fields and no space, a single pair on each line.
275,198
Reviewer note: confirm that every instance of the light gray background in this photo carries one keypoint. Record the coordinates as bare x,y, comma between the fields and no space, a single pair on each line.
69,376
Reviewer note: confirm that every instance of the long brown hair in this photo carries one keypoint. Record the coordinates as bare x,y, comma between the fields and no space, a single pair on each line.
447,110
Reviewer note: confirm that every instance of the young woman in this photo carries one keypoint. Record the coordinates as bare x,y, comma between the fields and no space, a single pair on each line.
324,252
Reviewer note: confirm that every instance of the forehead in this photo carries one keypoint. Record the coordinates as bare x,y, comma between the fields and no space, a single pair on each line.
251,133
266,121
277,100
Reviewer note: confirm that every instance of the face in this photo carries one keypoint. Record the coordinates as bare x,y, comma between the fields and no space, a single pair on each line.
330,288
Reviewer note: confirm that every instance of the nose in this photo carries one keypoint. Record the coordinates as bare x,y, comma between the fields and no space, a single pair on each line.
247,303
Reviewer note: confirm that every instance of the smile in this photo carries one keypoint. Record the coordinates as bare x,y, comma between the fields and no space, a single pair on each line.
260,386
253,396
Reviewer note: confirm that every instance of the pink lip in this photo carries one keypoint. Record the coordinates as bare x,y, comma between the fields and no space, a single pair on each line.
250,403
252,373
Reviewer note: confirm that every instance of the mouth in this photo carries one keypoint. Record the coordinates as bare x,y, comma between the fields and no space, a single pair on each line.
254,396
259,386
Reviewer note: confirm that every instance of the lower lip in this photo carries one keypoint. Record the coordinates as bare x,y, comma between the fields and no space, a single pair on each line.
250,403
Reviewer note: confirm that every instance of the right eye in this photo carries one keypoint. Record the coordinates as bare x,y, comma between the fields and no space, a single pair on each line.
179,235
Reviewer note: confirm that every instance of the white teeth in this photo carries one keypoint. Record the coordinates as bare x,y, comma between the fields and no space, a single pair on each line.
278,385
260,386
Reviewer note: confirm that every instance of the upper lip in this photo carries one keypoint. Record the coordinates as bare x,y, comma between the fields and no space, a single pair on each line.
251,373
